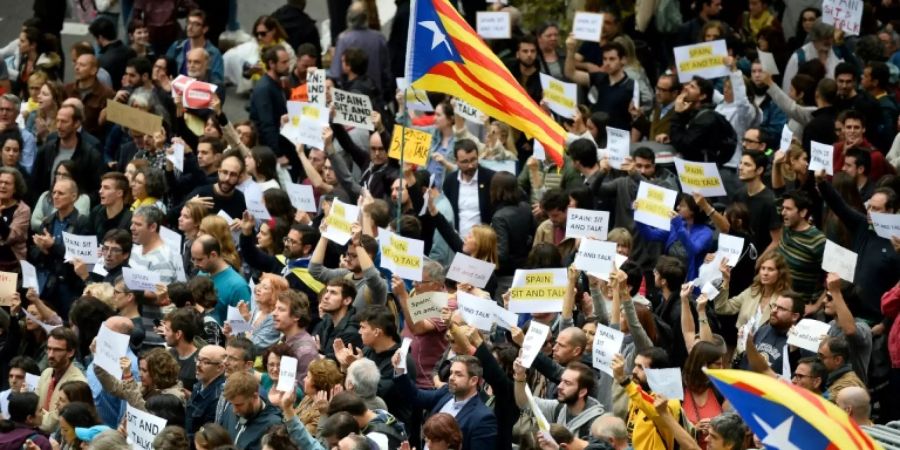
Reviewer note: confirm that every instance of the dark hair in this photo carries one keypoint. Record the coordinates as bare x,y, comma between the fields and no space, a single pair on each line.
278,439
798,301
844,68
702,354
141,65
706,88
349,402
861,158
526,39
852,114
644,153
659,357
203,292
182,319
672,270
827,90
504,190
444,428
307,49
309,235
816,368
298,306
805,86
760,160
600,120
166,406
585,376
409,226
338,425
583,197
18,181
731,427
543,255
880,72
466,145
213,435
21,406
179,293
270,55
357,60
554,200
801,199
79,414
134,24
154,181
217,144
838,346
244,344
26,363
378,316
103,27
348,289
65,334
584,152
266,162
121,237
700,218
891,203
198,13
616,47
635,277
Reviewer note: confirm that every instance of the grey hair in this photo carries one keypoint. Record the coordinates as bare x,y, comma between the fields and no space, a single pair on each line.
434,270
609,427
731,427
12,99
151,214
139,100
109,440
820,30
364,375
895,38
357,16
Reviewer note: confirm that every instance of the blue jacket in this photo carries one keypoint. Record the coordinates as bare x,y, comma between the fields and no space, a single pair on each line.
247,433
476,421
696,241
201,407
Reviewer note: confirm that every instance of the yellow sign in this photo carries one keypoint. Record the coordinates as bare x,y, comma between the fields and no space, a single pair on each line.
555,93
417,145
537,293
700,58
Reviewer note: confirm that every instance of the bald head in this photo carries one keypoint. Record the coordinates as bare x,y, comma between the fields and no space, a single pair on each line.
570,345
214,352
120,324
210,364
856,401
197,62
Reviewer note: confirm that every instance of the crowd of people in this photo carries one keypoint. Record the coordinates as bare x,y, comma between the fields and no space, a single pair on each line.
68,167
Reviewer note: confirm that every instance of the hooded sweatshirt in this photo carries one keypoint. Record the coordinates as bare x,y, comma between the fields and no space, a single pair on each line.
579,424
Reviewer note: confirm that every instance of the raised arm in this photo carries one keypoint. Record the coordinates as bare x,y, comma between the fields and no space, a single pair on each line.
845,318
579,77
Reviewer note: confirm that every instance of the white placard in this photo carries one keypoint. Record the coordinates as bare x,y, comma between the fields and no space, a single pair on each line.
595,256
81,247
538,290
238,324
618,146
709,272
538,151
845,15
706,60
505,318
287,374
47,327
787,136
427,305
140,280
476,311
404,350
466,269
607,342
886,225
666,382
560,96
636,95
31,382
535,339
808,334
467,111
29,275
301,196
305,123
587,223
821,156
177,156
700,177
171,238
839,260
497,166
493,24
542,423
223,215
253,198
416,99
111,346
731,247
315,87
767,60
340,220
587,26
618,260
401,255
654,204
710,291
352,109
142,428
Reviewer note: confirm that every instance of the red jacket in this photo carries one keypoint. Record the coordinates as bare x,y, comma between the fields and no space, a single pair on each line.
890,307
880,167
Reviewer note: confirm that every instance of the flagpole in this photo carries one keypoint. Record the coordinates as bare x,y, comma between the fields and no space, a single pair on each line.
405,119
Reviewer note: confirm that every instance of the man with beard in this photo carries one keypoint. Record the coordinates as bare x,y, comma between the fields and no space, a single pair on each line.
643,430
339,321
834,351
268,102
61,345
222,195
524,67
773,118
850,97
468,189
195,33
291,318
573,406
810,374
770,340
801,244
231,287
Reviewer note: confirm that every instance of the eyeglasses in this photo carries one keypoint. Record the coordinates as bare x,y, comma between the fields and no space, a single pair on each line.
777,307
261,33
207,362
289,241
111,250
749,141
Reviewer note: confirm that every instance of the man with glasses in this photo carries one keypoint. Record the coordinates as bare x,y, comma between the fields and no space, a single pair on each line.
196,38
201,407
667,90
834,352
810,374
357,266
115,252
379,176
468,189
223,195
9,110
770,339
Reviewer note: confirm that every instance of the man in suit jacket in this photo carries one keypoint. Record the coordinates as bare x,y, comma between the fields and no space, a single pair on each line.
461,186
459,398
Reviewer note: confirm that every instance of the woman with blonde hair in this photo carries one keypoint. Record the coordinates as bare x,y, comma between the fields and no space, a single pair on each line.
218,228
159,375
192,214
262,332
754,305
41,121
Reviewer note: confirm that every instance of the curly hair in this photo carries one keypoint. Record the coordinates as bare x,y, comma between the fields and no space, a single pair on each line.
324,374
163,368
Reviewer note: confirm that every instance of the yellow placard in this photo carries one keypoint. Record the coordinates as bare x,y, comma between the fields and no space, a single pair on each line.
417,145
657,208
537,293
700,58
556,94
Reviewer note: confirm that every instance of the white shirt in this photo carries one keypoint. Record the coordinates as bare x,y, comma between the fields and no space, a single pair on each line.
453,407
467,204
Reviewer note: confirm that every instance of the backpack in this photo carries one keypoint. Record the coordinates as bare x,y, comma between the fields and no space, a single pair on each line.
668,16
721,146
390,302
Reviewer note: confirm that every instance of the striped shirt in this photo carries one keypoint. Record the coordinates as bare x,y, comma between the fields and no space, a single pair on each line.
803,250
160,260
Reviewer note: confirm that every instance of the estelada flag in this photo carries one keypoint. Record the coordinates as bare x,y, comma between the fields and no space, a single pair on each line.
788,417
445,55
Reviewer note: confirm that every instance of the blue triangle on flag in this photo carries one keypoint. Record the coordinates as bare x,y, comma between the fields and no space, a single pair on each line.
429,42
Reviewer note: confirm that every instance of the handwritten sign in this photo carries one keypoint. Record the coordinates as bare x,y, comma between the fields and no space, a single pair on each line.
427,305
653,205
140,280
534,341
340,221
287,374
886,226
839,260
587,223
466,269
416,145
731,247
305,124
493,24
403,256
699,177
538,290
595,256
845,15
8,282
468,112
142,428
29,275
767,60
177,156
81,247
253,198
705,60
821,156
559,95
352,109
133,118
416,99
618,146
587,26
301,196
787,136
666,382
476,311
808,334
237,322
607,342
315,87
111,346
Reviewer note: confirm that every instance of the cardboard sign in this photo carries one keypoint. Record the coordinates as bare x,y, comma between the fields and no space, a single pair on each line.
618,145
845,15
731,247
476,311
607,342
81,247
177,156
538,290
560,96
198,94
595,256
111,346
767,60
886,225
352,109
787,136
666,382
654,204
839,260
287,374
142,428
140,280
427,305
133,118
403,351
468,112
340,221
238,324
416,145
587,223
700,177
315,87
29,275
466,269
706,59
493,25
587,26
403,256
535,339
821,156
253,198
301,196
8,283
416,99
808,334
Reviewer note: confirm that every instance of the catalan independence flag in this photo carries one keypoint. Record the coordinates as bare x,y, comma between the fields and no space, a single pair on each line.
788,417
445,55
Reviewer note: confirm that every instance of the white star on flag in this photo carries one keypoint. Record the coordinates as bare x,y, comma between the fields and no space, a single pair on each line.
438,37
778,437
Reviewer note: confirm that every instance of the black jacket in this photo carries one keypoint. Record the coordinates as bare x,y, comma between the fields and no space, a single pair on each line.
347,329
59,272
100,225
267,105
503,387
451,190
514,225
820,128
113,58
88,168
300,28
703,135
